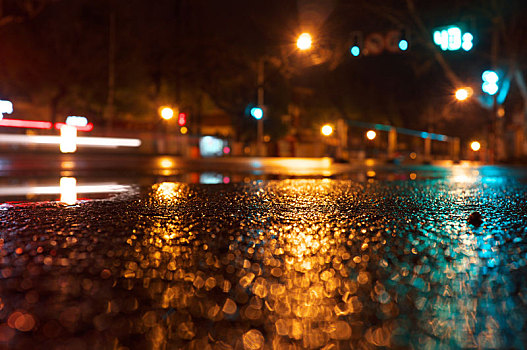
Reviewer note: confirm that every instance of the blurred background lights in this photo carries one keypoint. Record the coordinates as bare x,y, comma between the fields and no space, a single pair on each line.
68,139
403,45
211,146
490,76
452,39
326,130
76,120
467,44
304,41
463,93
182,119
490,82
257,113
371,134
183,130
166,163
355,50
68,191
5,107
475,146
167,113
17,123
110,142
500,112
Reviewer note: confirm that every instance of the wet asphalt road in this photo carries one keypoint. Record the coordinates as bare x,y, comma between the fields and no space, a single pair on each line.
299,263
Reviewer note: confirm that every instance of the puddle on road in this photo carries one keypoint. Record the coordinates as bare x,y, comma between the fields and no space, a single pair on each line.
66,190
69,189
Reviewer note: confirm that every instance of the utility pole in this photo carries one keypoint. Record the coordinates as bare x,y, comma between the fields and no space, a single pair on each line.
493,116
110,102
392,143
260,102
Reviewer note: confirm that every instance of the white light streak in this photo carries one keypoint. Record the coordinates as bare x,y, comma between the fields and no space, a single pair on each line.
82,141
5,107
88,188
68,139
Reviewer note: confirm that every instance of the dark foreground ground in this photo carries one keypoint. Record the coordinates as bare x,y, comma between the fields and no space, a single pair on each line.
300,263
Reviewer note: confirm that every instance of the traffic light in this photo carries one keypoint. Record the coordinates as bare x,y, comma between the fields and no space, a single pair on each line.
355,50
403,41
490,82
397,41
257,113
182,119
356,43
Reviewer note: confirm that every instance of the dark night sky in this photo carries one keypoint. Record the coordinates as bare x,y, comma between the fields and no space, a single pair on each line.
182,49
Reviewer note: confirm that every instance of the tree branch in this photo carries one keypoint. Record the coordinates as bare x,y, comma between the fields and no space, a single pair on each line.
425,33
30,8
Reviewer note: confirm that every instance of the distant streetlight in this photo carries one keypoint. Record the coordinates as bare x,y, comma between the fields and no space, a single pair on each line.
475,146
370,135
304,41
463,93
166,113
326,130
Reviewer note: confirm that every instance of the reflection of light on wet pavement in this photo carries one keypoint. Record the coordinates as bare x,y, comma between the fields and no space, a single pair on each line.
166,163
68,191
276,264
462,174
312,277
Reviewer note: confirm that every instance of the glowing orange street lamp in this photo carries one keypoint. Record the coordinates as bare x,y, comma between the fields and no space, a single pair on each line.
475,146
370,135
166,113
326,130
462,94
304,41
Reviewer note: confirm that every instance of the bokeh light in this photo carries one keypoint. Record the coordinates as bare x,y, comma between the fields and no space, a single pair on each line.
475,146
68,190
463,93
371,134
326,130
166,113
304,41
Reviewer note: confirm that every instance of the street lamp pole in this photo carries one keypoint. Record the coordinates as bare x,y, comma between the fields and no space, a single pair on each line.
260,102
304,42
